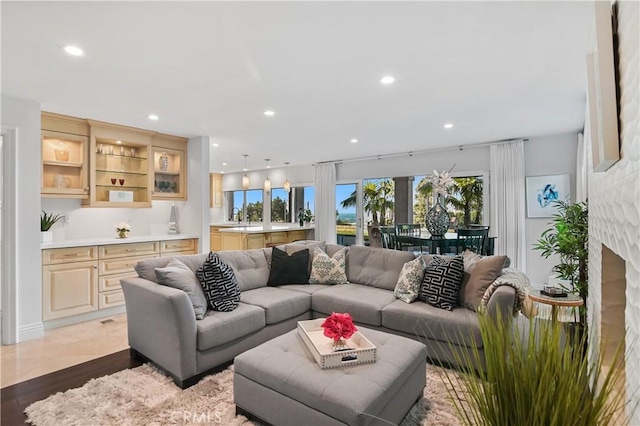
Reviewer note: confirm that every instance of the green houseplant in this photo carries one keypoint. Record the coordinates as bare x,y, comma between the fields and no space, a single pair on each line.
568,237
305,216
47,220
532,378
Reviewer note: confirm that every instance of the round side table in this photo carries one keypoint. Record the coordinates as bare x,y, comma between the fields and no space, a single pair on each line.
571,301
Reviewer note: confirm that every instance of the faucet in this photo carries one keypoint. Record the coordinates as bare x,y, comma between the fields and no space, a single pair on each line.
237,211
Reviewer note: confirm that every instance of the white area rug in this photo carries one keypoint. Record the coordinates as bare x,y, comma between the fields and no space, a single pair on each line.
144,396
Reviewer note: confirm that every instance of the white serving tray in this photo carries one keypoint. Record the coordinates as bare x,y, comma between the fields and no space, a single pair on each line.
321,347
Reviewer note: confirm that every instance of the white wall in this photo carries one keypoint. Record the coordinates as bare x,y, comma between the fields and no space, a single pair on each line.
550,155
25,117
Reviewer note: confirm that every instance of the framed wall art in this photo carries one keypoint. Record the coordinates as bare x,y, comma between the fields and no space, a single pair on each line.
542,191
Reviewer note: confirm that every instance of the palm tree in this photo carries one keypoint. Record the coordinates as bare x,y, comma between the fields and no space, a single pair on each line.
467,196
376,199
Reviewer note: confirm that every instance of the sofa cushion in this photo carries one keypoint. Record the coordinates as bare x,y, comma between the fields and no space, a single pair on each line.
288,269
306,288
147,268
408,285
178,275
250,267
376,267
332,249
364,303
441,283
278,304
329,270
479,273
218,328
219,284
420,319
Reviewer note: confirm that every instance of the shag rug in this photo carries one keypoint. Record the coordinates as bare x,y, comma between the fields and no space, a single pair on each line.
144,396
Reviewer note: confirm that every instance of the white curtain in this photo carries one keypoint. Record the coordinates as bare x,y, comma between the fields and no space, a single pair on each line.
325,208
508,201
584,141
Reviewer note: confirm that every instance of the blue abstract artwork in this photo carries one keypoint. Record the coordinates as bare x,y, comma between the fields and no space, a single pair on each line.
542,191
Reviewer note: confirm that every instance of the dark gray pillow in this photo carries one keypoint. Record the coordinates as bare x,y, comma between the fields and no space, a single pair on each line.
287,269
178,275
219,284
441,283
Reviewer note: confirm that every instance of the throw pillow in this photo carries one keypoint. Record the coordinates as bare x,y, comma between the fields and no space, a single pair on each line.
408,286
479,273
329,270
219,284
287,269
178,275
441,282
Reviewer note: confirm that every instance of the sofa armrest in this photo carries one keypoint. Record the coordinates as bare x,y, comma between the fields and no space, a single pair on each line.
161,324
503,300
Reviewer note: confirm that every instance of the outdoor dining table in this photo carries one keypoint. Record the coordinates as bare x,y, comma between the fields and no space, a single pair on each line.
440,245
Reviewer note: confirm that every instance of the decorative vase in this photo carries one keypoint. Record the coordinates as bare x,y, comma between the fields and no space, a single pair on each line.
301,221
163,162
340,345
123,234
437,220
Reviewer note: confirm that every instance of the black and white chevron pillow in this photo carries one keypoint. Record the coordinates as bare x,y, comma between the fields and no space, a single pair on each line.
219,284
441,283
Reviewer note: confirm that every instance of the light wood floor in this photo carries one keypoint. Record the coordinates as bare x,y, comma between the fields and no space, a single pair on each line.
61,348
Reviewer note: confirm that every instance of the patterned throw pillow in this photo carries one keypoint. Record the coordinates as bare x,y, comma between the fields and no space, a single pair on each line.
329,270
411,275
442,281
219,284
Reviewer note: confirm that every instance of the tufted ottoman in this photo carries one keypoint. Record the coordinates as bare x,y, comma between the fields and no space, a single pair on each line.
280,383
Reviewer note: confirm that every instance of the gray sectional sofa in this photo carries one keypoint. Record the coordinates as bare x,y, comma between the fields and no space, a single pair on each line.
163,328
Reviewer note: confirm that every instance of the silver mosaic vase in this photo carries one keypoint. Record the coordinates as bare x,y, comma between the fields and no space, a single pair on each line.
163,162
437,220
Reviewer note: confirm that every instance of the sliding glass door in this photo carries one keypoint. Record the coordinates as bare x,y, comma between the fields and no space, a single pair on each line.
349,227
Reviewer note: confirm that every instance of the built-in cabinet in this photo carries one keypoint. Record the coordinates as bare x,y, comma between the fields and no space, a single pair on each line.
215,185
65,160
169,167
109,165
78,280
220,240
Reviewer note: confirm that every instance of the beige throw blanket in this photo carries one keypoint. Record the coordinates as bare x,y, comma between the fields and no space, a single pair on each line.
520,282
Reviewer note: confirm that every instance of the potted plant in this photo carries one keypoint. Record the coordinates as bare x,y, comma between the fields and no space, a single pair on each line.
304,216
568,237
47,220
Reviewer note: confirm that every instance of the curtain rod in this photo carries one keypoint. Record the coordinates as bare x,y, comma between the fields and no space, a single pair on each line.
419,152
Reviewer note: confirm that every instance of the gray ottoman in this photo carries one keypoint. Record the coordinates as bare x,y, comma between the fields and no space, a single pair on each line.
280,383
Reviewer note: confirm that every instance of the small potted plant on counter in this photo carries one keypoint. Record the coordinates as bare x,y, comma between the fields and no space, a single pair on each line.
47,220
123,229
304,216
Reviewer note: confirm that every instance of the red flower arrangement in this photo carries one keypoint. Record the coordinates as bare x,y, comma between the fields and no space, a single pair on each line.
339,326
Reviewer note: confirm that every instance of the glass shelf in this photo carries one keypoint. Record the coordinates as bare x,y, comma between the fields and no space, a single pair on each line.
120,187
120,156
122,172
62,163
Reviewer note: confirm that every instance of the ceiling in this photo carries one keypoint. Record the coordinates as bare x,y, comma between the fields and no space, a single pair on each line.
496,70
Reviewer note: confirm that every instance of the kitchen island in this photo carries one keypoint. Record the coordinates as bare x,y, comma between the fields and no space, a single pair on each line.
232,236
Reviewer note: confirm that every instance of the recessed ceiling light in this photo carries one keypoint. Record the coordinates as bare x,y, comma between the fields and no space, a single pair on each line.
118,142
215,145
222,172
73,50
387,79
354,140
224,164
269,113
153,117
448,125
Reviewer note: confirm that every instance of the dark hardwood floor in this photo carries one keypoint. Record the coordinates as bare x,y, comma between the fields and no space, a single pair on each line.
14,399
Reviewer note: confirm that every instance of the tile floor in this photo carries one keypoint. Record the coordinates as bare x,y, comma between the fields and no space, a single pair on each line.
61,348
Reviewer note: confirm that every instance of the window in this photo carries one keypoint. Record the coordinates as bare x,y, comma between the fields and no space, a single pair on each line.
241,202
378,198
465,201
304,198
346,213
280,205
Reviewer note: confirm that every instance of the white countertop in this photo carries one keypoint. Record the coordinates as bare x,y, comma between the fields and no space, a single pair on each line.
83,242
259,229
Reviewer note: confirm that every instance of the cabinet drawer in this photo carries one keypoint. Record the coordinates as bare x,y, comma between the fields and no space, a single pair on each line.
110,299
120,266
71,254
177,245
112,282
127,250
275,238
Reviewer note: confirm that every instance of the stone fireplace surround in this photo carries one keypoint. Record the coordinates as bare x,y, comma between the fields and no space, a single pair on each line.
614,215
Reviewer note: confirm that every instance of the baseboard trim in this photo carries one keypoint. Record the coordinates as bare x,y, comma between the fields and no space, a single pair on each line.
89,316
30,331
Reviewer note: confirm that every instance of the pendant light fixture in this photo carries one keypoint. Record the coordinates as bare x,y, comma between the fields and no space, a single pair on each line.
287,185
267,182
245,178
